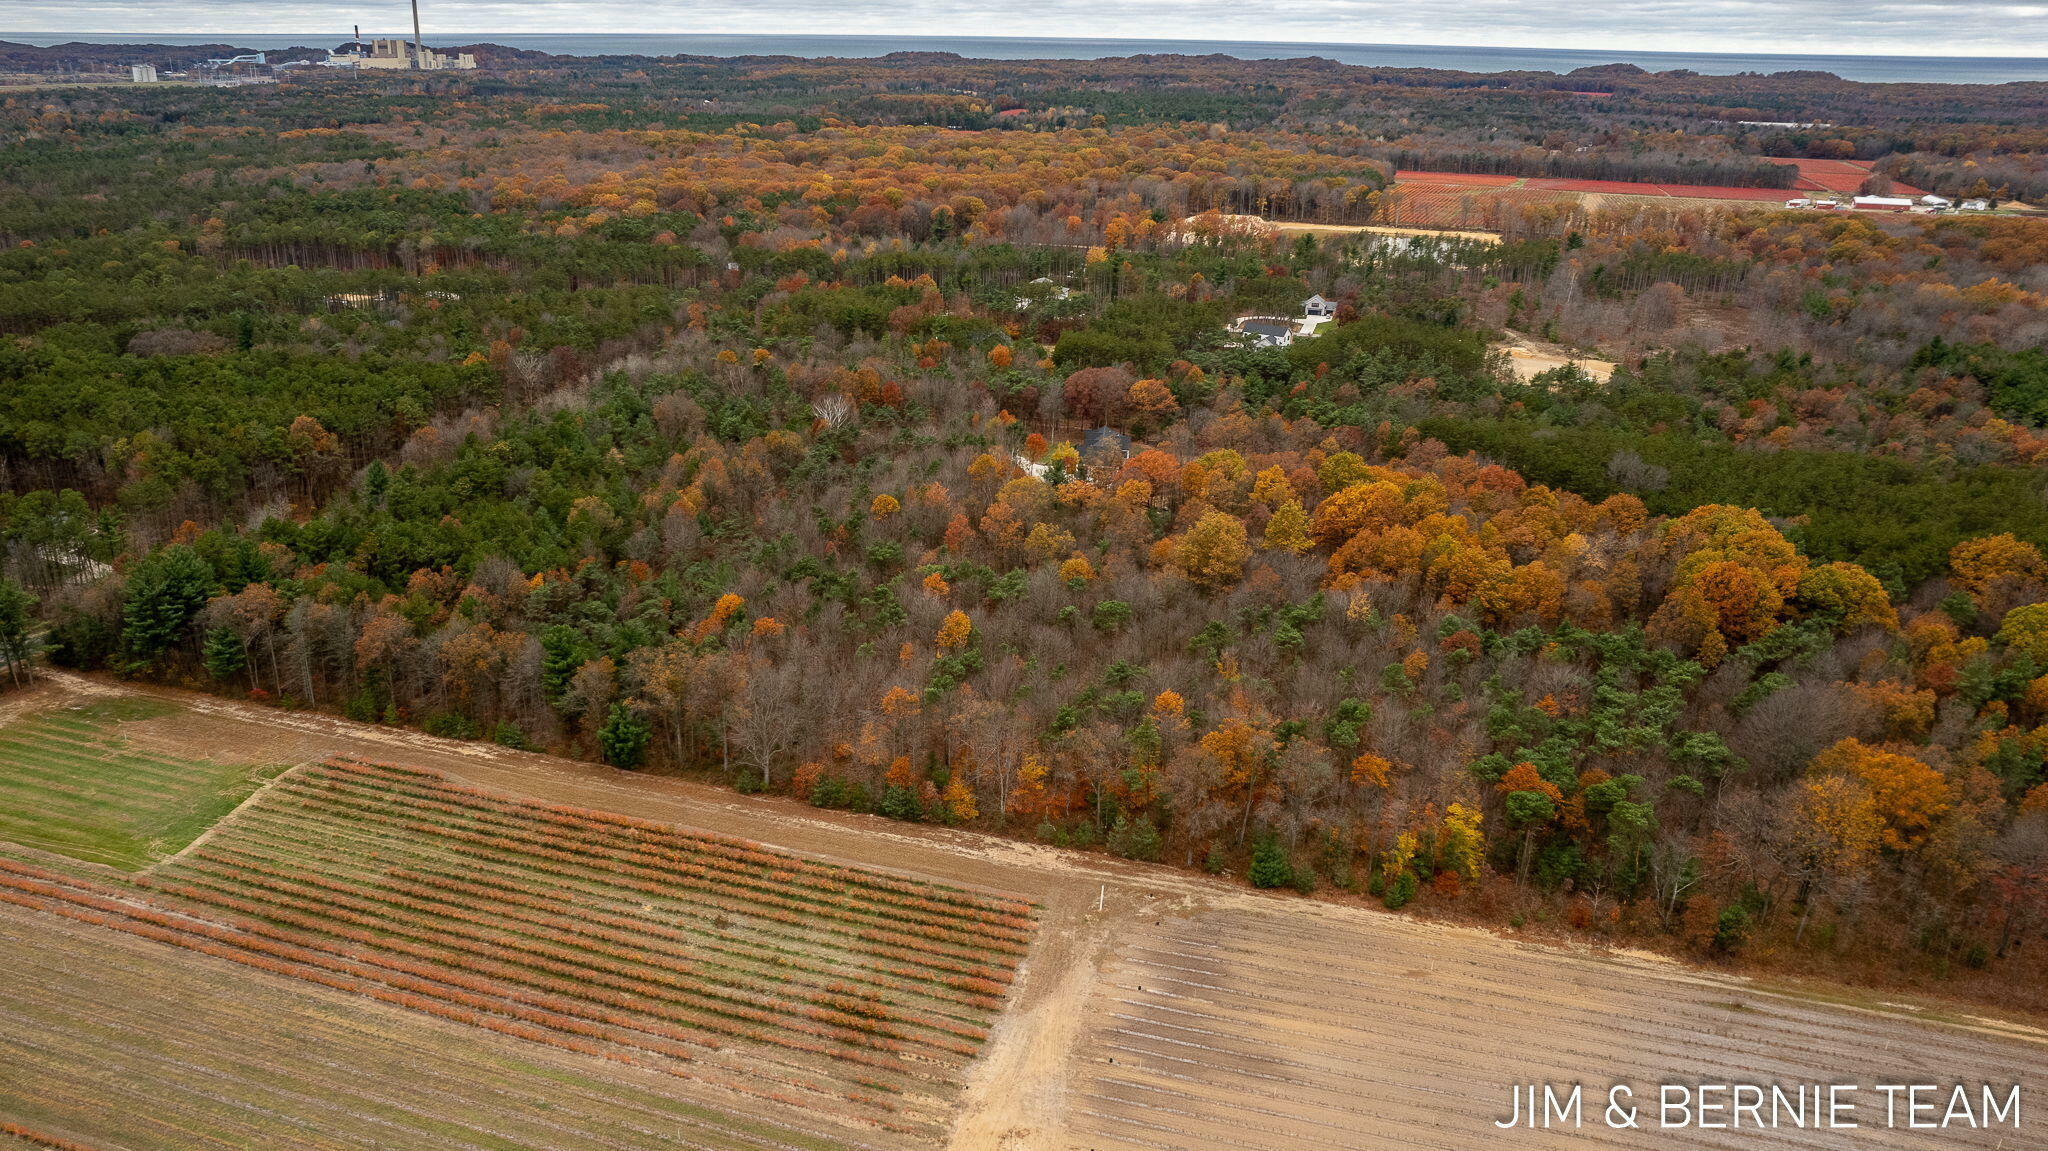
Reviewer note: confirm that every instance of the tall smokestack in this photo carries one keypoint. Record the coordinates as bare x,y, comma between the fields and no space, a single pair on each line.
419,55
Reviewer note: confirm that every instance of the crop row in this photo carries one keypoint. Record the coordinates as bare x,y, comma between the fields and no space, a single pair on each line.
40,1139
41,732
561,968
652,876
24,887
447,994
586,979
343,847
70,762
352,1080
1016,915
417,892
782,934
744,865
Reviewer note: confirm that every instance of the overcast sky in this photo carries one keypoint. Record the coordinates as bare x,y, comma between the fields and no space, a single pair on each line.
1858,27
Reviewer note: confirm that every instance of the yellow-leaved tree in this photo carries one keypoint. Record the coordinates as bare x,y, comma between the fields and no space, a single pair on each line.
956,631
1213,552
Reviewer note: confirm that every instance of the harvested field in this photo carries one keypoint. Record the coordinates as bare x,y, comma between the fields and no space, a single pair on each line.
70,782
1279,1030
1235,1019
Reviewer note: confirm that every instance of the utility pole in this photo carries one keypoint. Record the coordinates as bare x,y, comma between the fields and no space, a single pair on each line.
419,54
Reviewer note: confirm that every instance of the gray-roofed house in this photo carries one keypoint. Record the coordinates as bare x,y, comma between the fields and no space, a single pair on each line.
1105,440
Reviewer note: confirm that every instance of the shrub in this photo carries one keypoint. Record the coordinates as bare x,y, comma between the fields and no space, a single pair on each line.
449,725
833,792
1400,890
623,738
901,803
508,734
1269,865
1136,838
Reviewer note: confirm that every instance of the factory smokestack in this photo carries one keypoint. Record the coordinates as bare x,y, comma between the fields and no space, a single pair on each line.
419,55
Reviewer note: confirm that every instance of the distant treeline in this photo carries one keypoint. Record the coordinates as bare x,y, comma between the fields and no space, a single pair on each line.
2015,176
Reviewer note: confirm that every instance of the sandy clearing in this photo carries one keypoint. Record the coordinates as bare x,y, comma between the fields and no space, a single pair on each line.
1334,1025
1530,357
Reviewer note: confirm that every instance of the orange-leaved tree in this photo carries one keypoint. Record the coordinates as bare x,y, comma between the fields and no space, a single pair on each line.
1908,795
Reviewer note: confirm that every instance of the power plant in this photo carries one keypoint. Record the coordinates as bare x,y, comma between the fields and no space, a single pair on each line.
395,53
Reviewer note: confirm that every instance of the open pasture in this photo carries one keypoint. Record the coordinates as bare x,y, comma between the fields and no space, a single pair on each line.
72,782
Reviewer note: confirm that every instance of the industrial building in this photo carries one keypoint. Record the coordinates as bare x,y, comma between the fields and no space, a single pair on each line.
142,73
395,53
384,52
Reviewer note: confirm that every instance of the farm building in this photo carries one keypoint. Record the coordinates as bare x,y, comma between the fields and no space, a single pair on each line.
1883,203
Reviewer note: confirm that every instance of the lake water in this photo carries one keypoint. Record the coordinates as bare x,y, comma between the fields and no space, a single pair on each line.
1936,69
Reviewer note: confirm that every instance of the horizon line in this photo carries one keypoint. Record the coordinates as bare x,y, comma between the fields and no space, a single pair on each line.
227,37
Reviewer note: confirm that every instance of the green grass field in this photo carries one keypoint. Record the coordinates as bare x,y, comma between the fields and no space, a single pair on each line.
70,783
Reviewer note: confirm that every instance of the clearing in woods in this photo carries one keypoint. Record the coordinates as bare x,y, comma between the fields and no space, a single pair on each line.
1153,1009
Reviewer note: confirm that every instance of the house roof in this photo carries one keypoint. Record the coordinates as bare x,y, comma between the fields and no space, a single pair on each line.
1097,438
1265,327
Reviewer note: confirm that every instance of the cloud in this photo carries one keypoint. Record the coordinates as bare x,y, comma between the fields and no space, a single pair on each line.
1846,27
